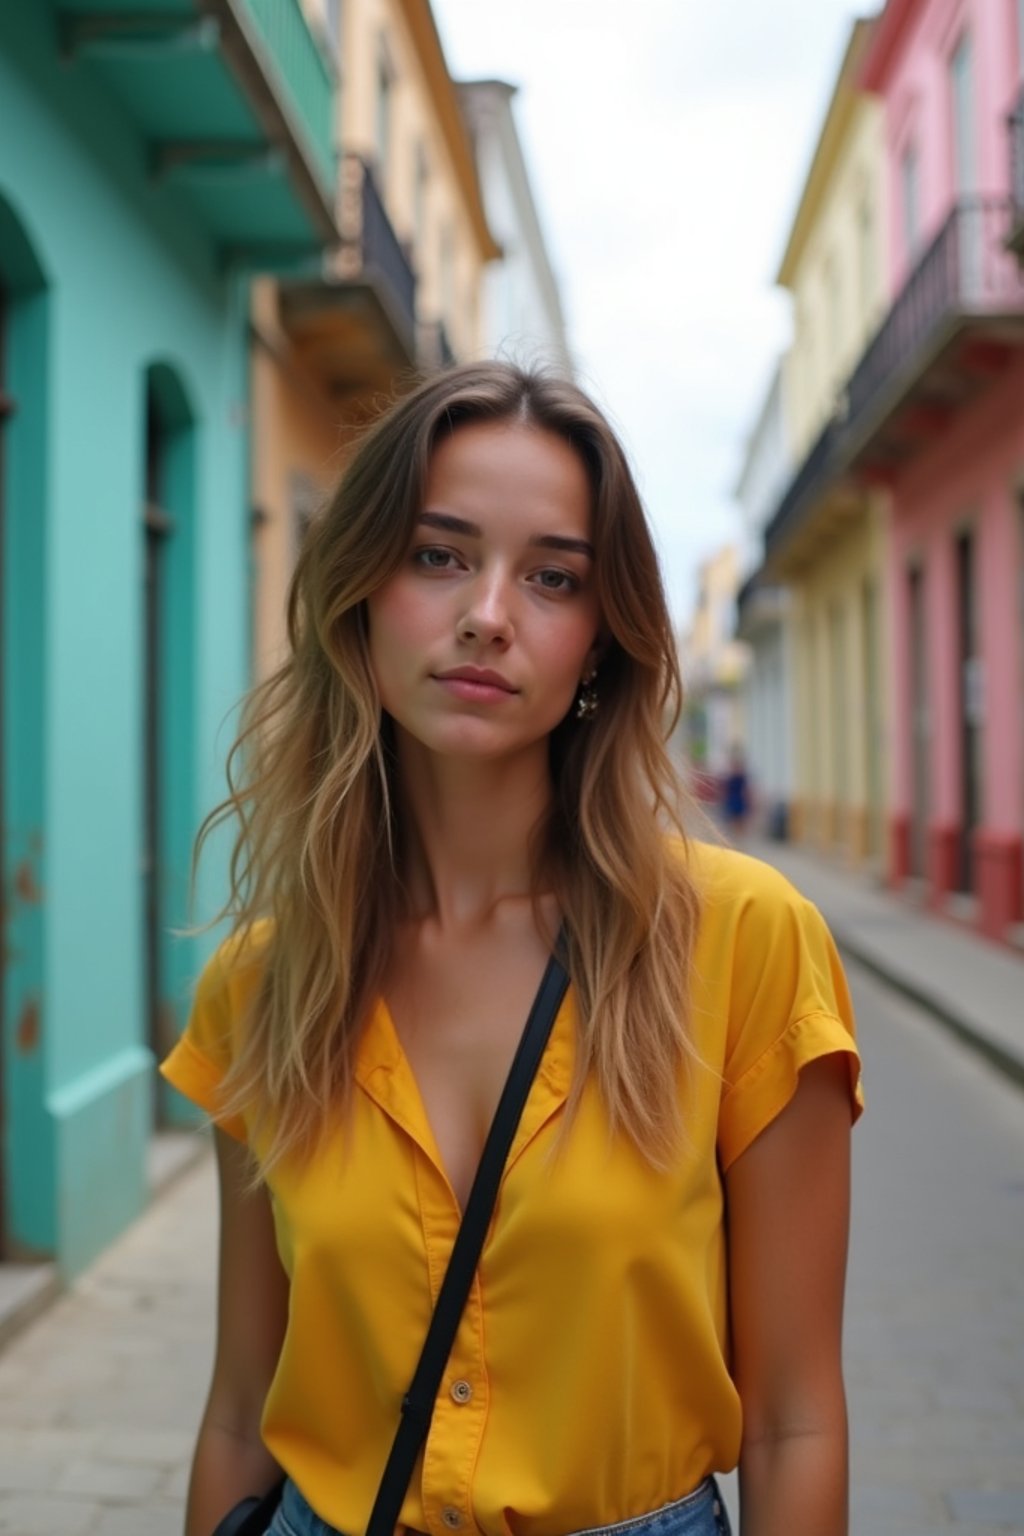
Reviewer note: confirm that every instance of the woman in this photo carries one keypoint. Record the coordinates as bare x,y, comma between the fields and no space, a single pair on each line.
464,749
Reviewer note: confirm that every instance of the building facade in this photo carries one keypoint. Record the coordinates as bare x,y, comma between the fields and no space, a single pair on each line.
523,318
402,294
937,414
762,620
826,543
152,157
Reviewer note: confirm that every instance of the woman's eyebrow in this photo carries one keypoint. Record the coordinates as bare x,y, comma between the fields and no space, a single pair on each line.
450,524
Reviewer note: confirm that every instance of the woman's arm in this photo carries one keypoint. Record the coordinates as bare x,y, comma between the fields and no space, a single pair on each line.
788,1198
252,1306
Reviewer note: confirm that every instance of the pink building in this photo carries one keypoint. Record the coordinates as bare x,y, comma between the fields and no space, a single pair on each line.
935,412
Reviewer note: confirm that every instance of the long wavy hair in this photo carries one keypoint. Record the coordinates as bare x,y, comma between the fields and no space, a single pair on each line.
312,791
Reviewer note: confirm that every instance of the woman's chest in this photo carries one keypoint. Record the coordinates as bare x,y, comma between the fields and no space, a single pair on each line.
377,1213
458,1028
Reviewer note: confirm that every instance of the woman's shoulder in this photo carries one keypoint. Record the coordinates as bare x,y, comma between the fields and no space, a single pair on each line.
731,883
235,966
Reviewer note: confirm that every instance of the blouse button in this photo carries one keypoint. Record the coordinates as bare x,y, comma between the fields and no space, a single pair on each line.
461,1391
452,1518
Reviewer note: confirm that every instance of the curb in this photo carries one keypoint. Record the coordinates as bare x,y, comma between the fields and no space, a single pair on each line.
969,1035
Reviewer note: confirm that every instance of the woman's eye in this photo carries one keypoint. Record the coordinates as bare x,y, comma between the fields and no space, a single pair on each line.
557,581
434,558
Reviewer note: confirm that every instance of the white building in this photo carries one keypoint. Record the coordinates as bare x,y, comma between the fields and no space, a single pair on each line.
763,617
523,318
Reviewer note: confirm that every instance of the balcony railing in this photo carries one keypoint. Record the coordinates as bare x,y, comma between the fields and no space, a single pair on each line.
305,81
1016,126
966,270
805,485
370,248
966,275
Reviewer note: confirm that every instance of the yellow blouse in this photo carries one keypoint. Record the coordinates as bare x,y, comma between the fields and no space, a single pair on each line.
590,1378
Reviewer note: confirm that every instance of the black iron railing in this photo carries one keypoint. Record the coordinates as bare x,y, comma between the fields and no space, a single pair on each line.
967,270
370,247
805,485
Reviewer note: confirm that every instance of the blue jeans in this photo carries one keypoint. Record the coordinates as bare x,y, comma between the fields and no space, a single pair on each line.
701,1513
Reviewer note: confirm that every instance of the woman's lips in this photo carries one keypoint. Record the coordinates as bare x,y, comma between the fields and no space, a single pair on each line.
485,688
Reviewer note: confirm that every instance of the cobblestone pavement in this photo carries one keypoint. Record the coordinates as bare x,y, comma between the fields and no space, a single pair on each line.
99,1398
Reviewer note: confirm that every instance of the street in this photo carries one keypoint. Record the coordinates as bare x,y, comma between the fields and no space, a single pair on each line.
99,1398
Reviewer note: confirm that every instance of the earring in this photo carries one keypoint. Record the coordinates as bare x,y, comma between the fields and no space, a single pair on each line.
587,700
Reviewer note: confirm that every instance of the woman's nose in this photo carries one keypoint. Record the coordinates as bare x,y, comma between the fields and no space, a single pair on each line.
488,614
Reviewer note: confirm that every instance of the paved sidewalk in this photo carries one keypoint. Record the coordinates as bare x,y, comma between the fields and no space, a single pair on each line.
100,1397
972,986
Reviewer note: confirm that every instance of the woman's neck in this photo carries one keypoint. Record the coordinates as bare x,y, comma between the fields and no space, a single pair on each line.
469,830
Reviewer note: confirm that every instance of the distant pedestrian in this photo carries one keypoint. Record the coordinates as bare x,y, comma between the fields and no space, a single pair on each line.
459,773
736,793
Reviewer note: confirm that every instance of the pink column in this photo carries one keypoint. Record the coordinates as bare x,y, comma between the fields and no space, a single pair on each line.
898,627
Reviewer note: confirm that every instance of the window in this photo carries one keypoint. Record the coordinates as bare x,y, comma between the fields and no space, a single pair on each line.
421,174
865,259
911,190
385,81
961,76
834,313
447,274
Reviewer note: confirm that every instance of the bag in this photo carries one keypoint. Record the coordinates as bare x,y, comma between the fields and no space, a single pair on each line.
252,1516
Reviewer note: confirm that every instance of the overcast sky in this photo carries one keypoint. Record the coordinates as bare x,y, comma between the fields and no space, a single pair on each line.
668,141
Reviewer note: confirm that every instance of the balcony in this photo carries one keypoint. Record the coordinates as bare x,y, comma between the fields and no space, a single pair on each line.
1016,126
235,102
356,326
954,327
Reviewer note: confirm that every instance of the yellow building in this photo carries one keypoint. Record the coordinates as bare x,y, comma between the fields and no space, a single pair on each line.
714,666
402,292
825,539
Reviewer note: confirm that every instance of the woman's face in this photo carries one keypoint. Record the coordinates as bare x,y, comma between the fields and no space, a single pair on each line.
479,641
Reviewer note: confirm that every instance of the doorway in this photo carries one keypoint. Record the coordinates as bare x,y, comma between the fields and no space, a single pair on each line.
158,529
872,733
971,702
167,708
6,412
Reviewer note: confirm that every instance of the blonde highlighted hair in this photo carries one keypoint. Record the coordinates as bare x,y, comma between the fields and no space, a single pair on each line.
311,788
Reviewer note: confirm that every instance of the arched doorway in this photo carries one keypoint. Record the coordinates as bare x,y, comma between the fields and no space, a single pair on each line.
25,1204
168,695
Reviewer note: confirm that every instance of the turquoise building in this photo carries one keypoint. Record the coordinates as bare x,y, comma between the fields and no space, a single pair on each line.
154,155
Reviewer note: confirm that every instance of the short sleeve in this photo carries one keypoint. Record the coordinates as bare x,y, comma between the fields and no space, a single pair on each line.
202,1057
789,1005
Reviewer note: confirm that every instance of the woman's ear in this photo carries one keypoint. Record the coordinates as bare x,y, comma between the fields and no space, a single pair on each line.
598,651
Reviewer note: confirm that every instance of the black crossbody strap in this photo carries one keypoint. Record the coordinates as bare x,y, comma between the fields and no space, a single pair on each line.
418,1403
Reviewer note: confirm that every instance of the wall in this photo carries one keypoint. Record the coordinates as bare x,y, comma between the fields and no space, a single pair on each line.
919,110
838,279
973,478
130,284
